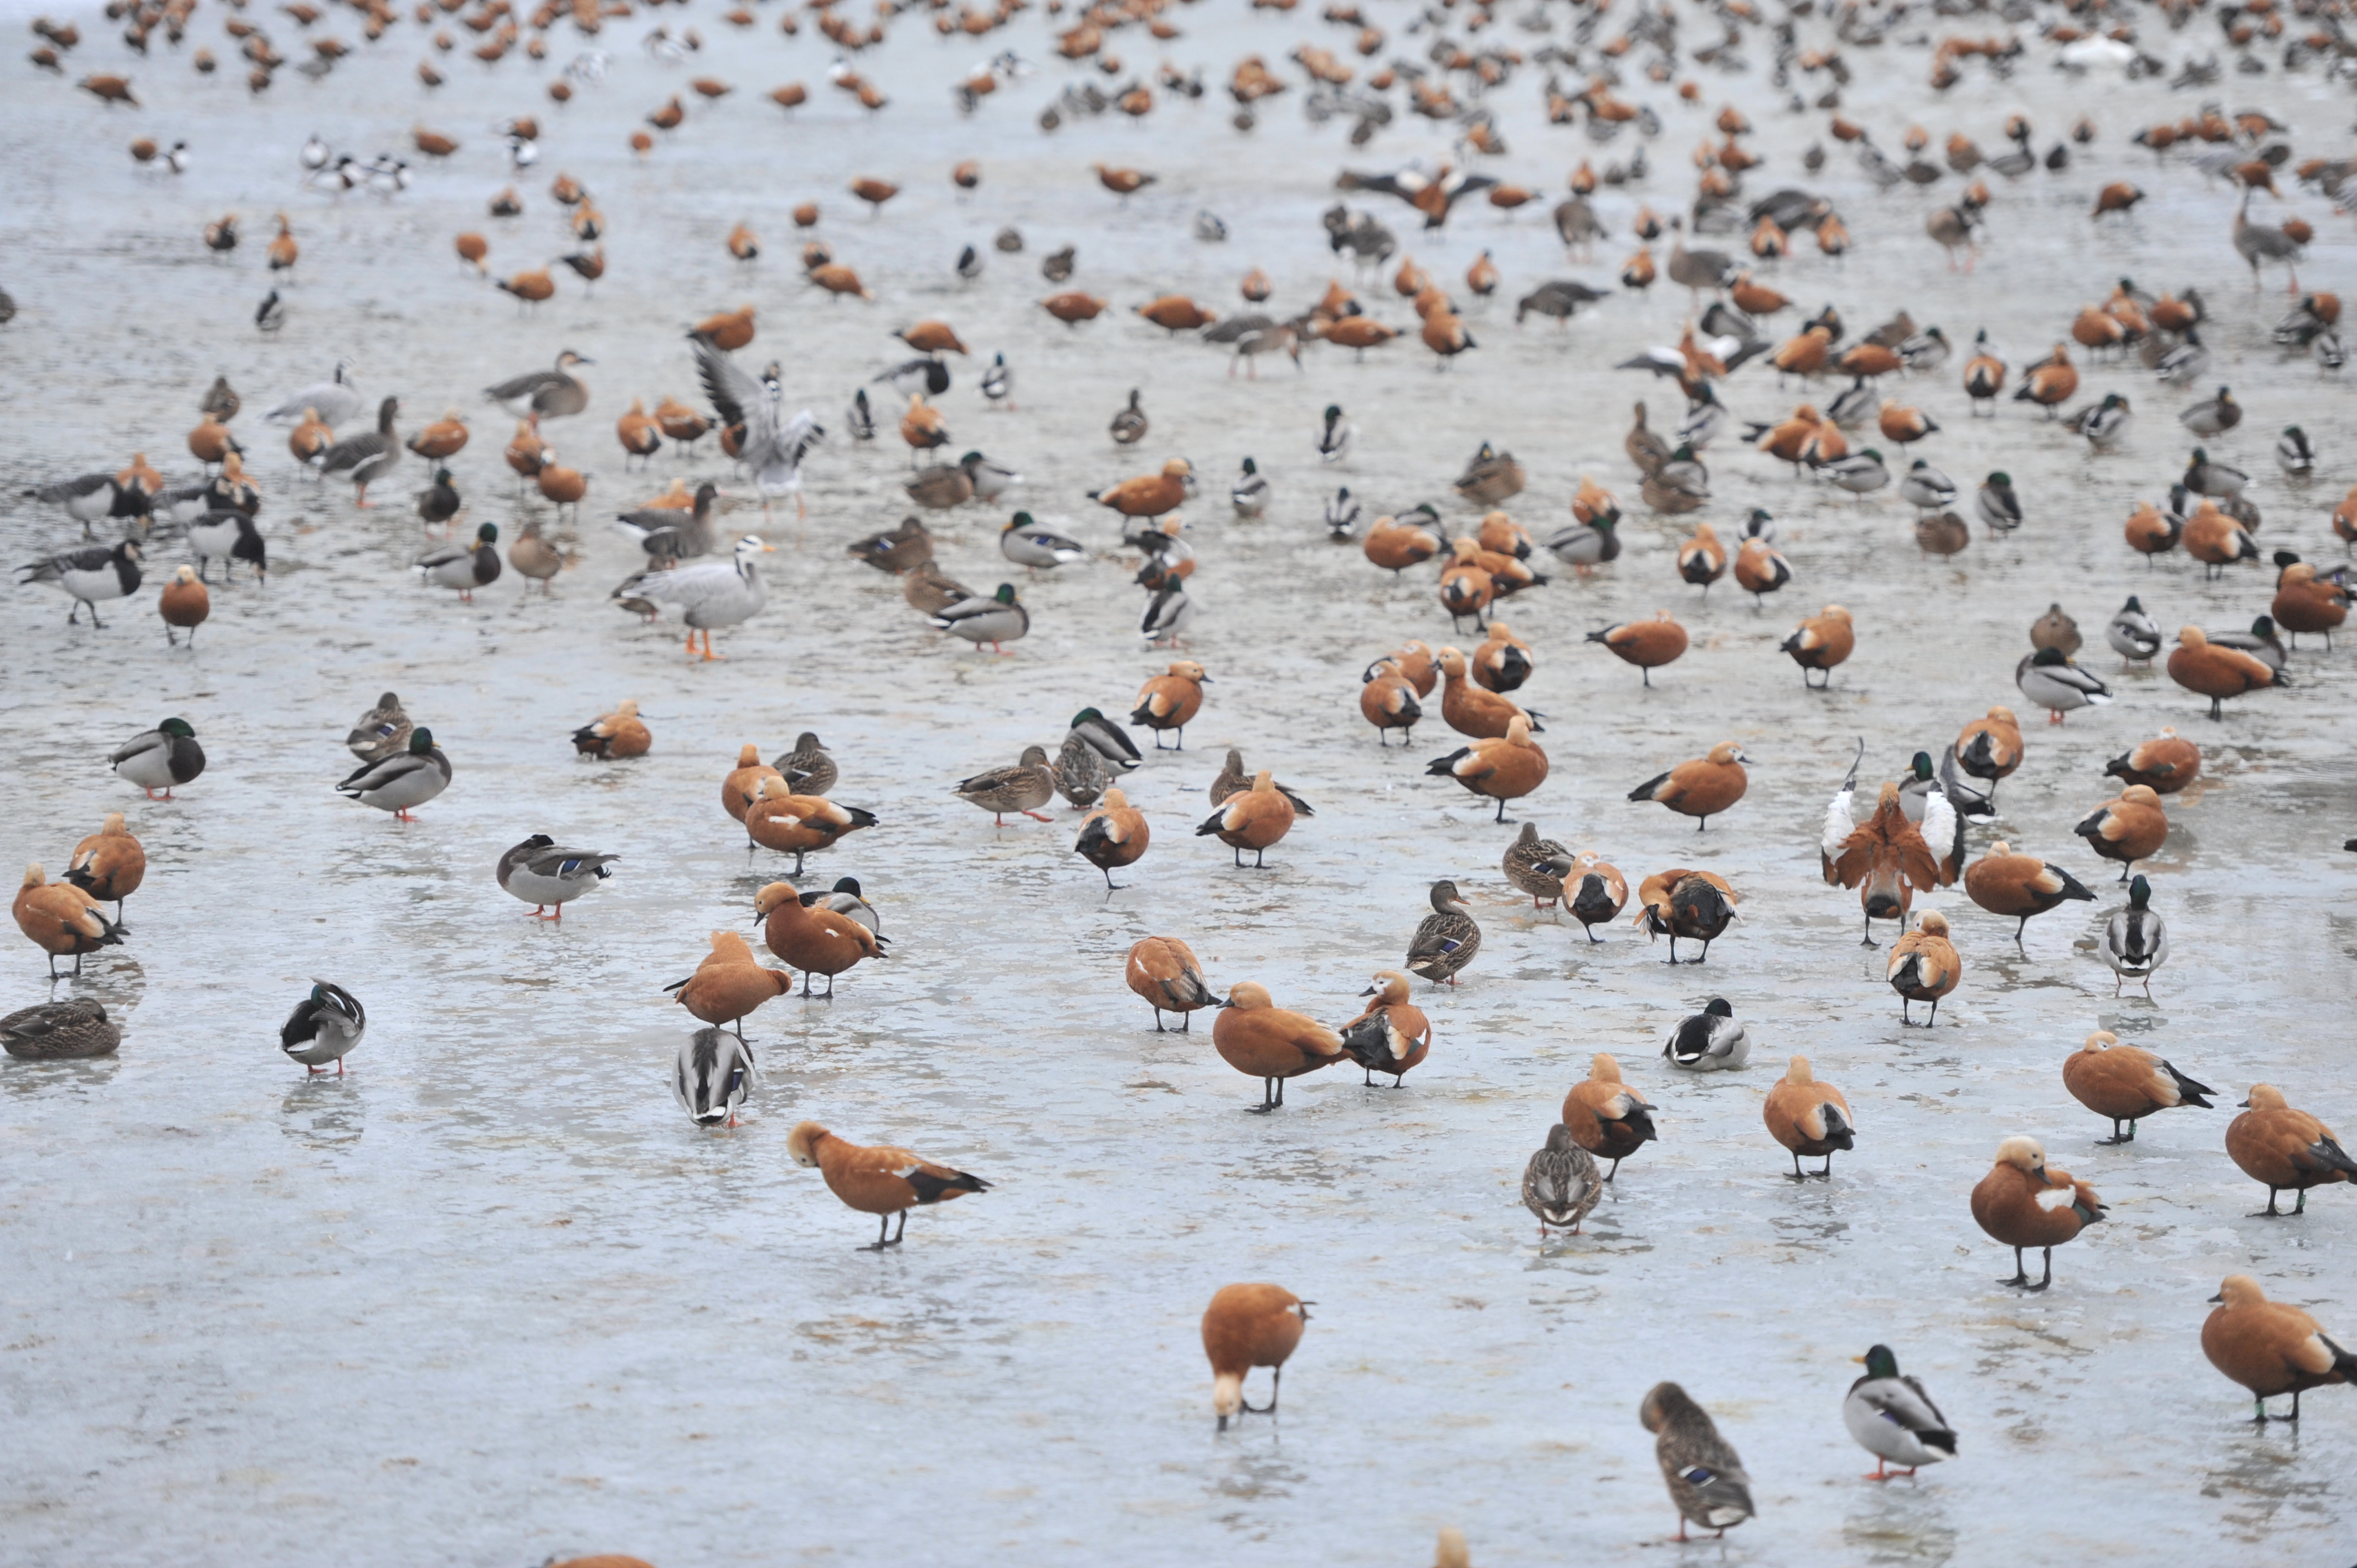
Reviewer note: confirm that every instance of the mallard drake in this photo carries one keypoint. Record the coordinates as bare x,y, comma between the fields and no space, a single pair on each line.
2284,1148
71,1030
1893,1418
1647,644
1705,1474
2104,424
1024,787
1490,476
1343,516
617,734
1924,967
880,1181
1560,1184
1446,940
808,768
1503,768
2134,635
1245,1327
1169,701
2126,1084
1926,489
1253,819
162,759
990,480
88,576
1249,495
1696,905
846,899
998,382
996,620
2269,1348
2206,477
715,1072
1860,473
545,874
109,864
1108,739
324,1028
1262,1040
2011,1204
404,779
1709,1040
2213,416
1586,545
2128,828
2049,679
1393,1035
1809,1118
2019,885
465,567
1702,788
1538,866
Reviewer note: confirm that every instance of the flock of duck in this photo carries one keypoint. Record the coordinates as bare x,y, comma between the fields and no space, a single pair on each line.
1915,840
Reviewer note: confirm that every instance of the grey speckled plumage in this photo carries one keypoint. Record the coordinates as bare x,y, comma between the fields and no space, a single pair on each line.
1560,1184
1704,1473
809,767
1025,786
382,731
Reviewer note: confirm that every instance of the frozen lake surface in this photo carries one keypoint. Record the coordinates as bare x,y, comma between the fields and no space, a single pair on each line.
490,1296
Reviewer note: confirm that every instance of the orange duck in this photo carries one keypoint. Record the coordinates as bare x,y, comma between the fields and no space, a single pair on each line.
881,1181
743,785
1647,644
1474,710
779,819
1113,836
1262,1040
2271,1348
2011,1204
1701,788
1246,1326
1503,769
1253,819
1821,643
1387,700
1163,970
1809,1118
1393,1035
2287,1150
1608,1117
2126,1084
813,937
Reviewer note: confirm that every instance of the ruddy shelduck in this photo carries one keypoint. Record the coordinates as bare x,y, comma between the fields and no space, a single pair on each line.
620,734
109,864
1682,902
61,919
2165,764
795,825
881,1180
2216,672
1924,967
1245,1327
813,937
1473,710
743,784
1262,1040
2286,1149
2270,1348
1701,788
2020,886
1608,1117
1163,970
2126,1084
1393,1035
1809,1118
1647,644
1821,642
1253,819
2128,828
2022,1203
1170,700
725,988
1114,834
1505,770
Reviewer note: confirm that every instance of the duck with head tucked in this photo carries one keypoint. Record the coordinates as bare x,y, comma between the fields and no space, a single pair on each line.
1393,1035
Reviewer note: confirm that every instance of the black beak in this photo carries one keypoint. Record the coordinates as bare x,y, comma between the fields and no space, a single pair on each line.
1369,991
1227,1001
2244,1104
2219,1297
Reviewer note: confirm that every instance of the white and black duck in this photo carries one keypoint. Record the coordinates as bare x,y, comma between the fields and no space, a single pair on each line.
324,1027
403,781
89,575
163,759
544,874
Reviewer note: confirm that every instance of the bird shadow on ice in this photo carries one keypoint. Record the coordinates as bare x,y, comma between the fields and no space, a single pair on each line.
2264,1474
324,1112
1898,1521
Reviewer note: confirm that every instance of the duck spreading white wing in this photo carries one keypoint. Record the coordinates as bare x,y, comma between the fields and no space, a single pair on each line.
772,447
1839,824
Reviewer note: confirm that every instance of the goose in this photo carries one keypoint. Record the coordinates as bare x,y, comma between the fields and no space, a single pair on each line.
337,400
88,574
228,537
324,1027
1334,437
539,394
771,448
545,874
1709,1041
404,779
366,456
714,594
96,498
925,374
664,535
1893,1418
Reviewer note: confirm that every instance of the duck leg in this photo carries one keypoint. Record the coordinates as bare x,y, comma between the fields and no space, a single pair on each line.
2020,1274
1268,1098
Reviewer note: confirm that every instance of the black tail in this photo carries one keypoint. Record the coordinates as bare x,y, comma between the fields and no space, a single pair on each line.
2071,886
1838,1127
1442,766
1368,1043
2191,1091
1645,792
1640,1117
931,1188
1909,975
2343,1362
